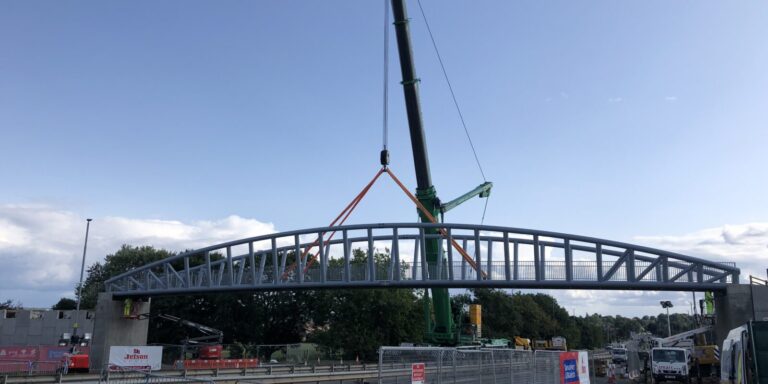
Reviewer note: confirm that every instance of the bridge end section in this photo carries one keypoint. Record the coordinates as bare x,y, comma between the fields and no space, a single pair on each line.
113,325
738,304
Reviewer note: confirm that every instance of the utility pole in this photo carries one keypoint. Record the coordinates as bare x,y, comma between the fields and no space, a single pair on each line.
80,286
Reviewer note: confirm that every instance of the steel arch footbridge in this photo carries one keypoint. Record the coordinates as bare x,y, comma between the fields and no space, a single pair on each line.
393,255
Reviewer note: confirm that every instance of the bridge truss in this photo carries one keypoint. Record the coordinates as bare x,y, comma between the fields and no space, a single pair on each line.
393,255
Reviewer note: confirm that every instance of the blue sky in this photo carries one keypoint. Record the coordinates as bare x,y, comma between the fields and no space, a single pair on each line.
611,119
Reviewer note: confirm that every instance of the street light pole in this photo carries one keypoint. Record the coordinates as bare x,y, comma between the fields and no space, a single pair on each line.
80,286
667,305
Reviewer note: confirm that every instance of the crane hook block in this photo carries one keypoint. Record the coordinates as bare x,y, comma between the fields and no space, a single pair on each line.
384,157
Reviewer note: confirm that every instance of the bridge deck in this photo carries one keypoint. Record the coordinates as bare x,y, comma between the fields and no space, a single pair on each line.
483,256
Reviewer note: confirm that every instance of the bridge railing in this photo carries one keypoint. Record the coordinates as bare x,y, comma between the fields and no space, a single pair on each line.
395,255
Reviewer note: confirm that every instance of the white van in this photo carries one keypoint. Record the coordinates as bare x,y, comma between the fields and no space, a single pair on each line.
670,364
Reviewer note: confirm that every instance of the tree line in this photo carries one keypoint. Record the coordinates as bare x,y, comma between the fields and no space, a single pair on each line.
358,321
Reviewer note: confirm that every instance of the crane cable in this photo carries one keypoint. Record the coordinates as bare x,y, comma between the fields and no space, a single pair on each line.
455,103
351,207
384,158
385,117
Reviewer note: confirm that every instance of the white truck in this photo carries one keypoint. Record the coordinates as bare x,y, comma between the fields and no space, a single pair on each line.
670,364
619,355
745,355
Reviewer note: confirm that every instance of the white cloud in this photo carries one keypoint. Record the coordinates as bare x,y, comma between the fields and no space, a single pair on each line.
744,244
670,99
41,246
615,100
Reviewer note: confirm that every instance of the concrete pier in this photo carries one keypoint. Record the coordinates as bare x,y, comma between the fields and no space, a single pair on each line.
111,328
738,304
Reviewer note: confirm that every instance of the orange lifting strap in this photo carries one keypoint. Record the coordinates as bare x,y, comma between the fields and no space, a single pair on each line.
351,207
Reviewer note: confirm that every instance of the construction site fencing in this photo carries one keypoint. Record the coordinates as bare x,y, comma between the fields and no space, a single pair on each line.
637,357
484,365
30,368
123,375
307,354
546,367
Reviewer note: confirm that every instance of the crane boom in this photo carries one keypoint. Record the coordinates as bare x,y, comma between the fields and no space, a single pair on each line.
443,329
440,326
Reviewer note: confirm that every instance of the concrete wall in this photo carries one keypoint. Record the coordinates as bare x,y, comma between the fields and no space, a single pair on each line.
112,328
40,327
760,294
739,304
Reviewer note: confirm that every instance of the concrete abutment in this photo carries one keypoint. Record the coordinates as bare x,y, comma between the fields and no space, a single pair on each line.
738,304
112,328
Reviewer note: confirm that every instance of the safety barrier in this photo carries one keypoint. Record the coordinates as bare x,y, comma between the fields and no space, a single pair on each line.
484,365
754,280
124,375
29,368
36,352
216,364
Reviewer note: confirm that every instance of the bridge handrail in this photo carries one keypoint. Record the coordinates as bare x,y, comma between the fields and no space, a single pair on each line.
467,232
521,231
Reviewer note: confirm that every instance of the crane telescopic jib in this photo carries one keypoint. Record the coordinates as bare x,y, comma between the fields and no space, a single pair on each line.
441,329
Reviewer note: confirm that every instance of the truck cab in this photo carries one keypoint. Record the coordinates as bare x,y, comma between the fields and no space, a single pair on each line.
618,355
670,364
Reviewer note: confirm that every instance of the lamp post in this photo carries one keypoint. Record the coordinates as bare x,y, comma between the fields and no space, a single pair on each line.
80,286
667,305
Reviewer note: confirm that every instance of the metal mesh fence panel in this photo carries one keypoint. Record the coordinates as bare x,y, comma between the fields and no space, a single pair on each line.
458,365
521,366
29,368
508,366
121,375
474,366
395,363
485,365
546,367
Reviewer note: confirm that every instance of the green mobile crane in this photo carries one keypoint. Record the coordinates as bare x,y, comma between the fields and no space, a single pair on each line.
441,328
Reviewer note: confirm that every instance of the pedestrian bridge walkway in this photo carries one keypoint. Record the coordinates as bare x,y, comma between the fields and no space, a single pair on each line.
395,255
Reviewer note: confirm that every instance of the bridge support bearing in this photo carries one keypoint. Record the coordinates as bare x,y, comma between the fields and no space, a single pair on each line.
738,304
111,328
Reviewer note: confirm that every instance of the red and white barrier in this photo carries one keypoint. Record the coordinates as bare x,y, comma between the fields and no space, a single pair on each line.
216,364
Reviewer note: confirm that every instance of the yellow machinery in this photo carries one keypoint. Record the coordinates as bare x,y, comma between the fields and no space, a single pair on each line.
557,343
541,344
476,319
522,343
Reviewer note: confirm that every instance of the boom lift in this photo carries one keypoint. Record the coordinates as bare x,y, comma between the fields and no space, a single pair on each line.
441,328
682,339
205,347
704,356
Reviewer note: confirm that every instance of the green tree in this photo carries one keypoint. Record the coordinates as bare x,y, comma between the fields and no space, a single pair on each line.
360,321
65,304
125,259
10,304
